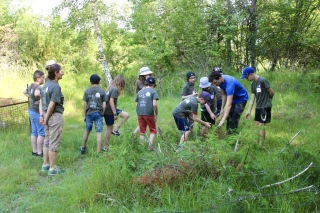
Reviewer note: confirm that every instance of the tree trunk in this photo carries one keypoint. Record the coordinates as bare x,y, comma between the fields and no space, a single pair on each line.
100,47
252,24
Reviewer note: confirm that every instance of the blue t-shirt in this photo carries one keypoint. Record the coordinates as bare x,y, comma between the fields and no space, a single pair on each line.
231,86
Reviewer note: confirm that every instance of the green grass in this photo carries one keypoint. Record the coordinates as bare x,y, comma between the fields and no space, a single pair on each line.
204,177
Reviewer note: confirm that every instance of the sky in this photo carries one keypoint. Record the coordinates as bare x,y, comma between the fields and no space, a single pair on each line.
44,7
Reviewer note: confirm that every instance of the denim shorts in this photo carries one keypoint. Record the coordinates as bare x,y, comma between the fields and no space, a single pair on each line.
37,129
182,123
95,118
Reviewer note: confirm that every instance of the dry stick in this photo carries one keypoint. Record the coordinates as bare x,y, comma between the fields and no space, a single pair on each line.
236,147
289,178
291,140
159,147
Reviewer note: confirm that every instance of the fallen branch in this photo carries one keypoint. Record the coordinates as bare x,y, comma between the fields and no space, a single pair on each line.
291,140
236,147
274,184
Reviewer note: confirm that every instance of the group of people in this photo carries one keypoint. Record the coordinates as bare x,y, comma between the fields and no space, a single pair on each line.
222,98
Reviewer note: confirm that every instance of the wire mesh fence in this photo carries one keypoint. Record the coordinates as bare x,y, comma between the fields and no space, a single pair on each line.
14,115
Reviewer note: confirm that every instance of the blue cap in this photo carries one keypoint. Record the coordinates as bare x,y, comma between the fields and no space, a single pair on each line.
205,95
246,71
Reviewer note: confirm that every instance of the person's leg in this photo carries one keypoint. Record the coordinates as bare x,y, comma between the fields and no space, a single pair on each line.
55,127
85,138
151,123
34,133
136,131
235,114
184,136
107,137
142,127
99,128
262,117
46,163
40,132
124,117
40,140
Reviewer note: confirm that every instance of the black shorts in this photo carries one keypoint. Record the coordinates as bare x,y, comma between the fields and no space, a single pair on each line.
205,116
263,115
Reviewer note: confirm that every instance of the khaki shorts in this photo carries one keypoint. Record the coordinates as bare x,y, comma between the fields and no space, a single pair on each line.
53,132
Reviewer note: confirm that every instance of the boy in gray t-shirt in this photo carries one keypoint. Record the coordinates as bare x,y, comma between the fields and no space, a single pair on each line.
188,108
263,94
94,105
147,110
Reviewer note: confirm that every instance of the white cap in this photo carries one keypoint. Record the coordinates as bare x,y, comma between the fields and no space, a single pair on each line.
50,62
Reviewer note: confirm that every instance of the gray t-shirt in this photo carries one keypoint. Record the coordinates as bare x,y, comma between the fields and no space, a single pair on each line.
188,89
34,104
213,93
111,93
259,89
94,96
144,101
51,91
186,107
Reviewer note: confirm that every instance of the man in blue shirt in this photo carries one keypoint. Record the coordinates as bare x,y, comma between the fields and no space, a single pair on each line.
234,99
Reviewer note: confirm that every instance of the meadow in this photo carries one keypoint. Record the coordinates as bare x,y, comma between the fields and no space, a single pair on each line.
207,176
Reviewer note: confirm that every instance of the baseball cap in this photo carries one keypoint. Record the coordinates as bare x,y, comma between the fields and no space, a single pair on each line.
246,71
190,74
145,71
217,69
205,95
50,62
95,79
204,82
150,80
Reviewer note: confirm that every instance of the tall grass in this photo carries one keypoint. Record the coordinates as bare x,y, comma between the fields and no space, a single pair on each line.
207,176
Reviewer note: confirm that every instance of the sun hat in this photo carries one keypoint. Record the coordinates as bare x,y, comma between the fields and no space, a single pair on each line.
204,82
205,95
190,74
151,81
145,71
246,71
50,62
95,79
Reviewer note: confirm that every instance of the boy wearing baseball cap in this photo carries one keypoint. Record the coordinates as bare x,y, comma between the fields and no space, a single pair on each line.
147,110
263,94
188,108
188,89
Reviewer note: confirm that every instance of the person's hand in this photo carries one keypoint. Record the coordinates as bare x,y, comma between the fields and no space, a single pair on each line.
155,117
207,124
213,116
41,121
195,93
220,123
115,117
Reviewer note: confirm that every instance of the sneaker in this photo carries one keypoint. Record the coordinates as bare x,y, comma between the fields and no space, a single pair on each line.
180,147
34,154
151,148
82,150
115,132
55,171
45,168
105,149
40,155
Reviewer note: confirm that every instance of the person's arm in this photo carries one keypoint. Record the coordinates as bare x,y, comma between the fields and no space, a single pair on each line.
49,112
155,109
253,97
85,110
197,119
271,92
104,105
212,115
194,93
113,108
224,99
25,92
41,112
227,110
